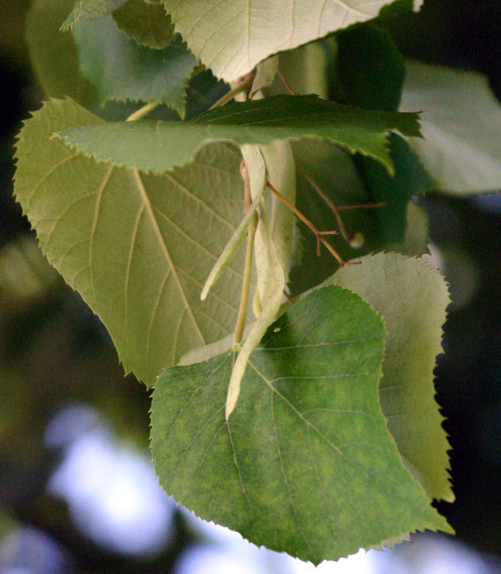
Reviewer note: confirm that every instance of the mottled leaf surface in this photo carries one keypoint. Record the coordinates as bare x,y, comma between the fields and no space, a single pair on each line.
137,247
305,463
412,298
159,146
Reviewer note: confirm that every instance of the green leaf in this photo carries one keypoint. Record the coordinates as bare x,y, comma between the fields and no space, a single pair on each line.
89,10
411,178
59,76
305,464
232,36
412,298
137,247
462,127
121,69
370,68
159,146
398,9
146,23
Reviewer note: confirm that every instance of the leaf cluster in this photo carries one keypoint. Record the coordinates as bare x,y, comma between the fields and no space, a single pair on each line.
334,439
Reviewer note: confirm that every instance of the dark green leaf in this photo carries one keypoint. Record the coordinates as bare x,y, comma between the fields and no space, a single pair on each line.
146,23
121,69
370,69
396,9
411,178
159,146
305,463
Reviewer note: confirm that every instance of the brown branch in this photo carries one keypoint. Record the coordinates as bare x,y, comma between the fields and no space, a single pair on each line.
306,221
285,82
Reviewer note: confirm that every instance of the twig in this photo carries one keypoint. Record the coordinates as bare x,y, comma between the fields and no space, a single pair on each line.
138,114
337,208
246,84
286,83
306,221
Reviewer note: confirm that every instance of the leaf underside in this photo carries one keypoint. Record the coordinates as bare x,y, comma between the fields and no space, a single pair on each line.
159,146
412,298
305,463
232,36
137,247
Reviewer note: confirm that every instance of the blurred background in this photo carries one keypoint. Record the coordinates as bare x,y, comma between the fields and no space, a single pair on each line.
77,490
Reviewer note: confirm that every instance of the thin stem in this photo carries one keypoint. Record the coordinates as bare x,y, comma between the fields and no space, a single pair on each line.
321,193
244,298
246,84
362,206
336,209
285,82
138,114
306,221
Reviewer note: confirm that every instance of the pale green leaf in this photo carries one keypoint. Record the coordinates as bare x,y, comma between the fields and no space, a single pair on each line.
461,127
121,69
137,247
146,23
305,463
412,298
159,146
59,76
232,36
89,10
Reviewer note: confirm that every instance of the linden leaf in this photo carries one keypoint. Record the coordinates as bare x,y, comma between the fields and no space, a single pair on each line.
137,247
159,146
412,298
232,36
146,23
305,464
89,10
121,69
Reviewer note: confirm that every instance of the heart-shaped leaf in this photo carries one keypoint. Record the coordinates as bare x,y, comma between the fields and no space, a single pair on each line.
137,247
305,463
